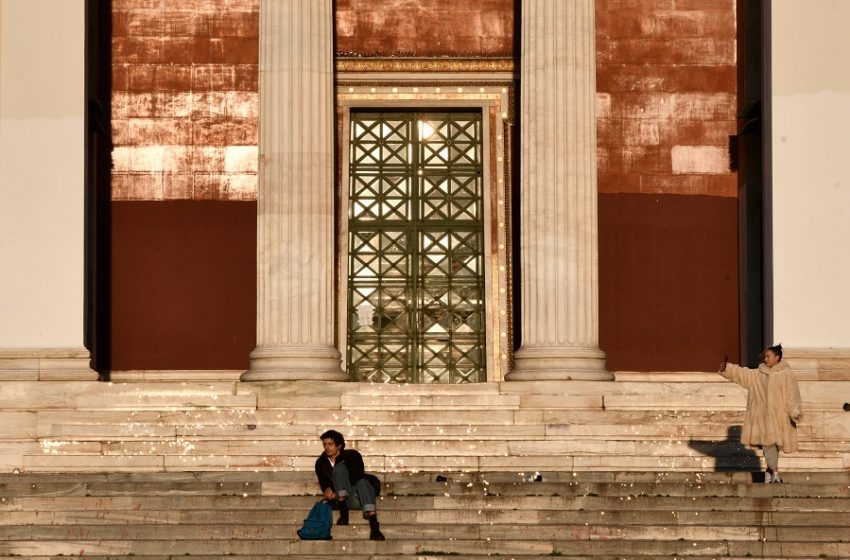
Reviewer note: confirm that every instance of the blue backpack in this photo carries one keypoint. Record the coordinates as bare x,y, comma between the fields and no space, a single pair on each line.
317,526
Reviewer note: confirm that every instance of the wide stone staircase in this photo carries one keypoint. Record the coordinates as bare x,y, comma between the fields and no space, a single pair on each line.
648,466
589,515
219,425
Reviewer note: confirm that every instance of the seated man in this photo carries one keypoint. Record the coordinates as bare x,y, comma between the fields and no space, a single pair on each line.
341,473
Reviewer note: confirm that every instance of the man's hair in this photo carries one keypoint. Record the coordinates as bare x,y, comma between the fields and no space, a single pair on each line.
776,350
336,436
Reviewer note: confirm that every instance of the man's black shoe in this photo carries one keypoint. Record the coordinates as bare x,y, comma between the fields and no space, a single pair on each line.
343,514
375,533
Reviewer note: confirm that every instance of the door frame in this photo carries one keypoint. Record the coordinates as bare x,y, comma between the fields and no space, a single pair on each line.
493,102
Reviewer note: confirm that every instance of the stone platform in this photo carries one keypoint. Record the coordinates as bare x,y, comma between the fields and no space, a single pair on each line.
155,423
587,515
204,466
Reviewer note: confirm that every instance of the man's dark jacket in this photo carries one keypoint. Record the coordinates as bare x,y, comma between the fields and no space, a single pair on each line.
353,461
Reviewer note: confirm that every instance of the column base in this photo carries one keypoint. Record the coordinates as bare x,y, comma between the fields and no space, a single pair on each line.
46,364
542,363
294,363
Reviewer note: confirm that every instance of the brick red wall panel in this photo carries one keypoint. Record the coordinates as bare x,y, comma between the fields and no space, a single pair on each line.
668,281
666,78
668,263
666,69
666,20
184,276
425,27
184,79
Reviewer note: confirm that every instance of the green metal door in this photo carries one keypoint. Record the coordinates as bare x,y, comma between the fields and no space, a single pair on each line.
416,248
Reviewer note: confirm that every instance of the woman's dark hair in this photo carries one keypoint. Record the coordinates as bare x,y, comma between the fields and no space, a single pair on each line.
336,436
776,350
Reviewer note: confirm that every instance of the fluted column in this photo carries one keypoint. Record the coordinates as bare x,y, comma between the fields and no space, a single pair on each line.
295,305
558,228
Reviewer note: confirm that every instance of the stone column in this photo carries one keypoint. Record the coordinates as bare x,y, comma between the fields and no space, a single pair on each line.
558,228
295,243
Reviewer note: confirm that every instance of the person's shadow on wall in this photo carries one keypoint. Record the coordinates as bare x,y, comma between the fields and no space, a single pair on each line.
730,455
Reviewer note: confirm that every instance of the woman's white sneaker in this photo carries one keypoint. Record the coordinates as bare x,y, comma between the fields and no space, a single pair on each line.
768,477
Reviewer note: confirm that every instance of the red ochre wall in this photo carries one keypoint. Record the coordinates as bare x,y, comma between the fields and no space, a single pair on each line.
184,179
184,126
184,277
425,27
668,240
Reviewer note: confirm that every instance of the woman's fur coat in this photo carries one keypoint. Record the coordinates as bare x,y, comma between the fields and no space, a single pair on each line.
773,399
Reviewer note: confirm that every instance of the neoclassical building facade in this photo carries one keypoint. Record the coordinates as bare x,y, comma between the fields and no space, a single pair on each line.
419,194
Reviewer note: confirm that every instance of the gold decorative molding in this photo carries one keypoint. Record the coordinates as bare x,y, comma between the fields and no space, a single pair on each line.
425,65
497,100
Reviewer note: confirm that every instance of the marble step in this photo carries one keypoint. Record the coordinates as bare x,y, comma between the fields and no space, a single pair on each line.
428,547
52,392
589,515
428,556
45,423
402,489
818,394
622,477
23,395
359,530
438,502
374,446
406,424
42,395
54,463
294,416
536,453
385,389
426,401
490,517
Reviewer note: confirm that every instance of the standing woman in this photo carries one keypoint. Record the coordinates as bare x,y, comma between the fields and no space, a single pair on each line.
773,407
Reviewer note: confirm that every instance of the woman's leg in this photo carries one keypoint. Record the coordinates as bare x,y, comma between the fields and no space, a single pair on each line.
771,457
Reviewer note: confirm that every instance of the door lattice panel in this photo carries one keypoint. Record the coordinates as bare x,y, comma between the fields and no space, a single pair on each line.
416,246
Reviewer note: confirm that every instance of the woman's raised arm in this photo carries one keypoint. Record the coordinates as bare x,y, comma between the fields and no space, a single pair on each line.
743,376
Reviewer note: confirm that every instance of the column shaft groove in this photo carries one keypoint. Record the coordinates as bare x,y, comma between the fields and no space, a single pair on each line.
558,229
295,335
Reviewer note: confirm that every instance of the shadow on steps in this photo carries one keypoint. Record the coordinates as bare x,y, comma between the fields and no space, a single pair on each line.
730,454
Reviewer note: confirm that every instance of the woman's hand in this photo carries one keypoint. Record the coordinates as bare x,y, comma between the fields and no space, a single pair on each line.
329,494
